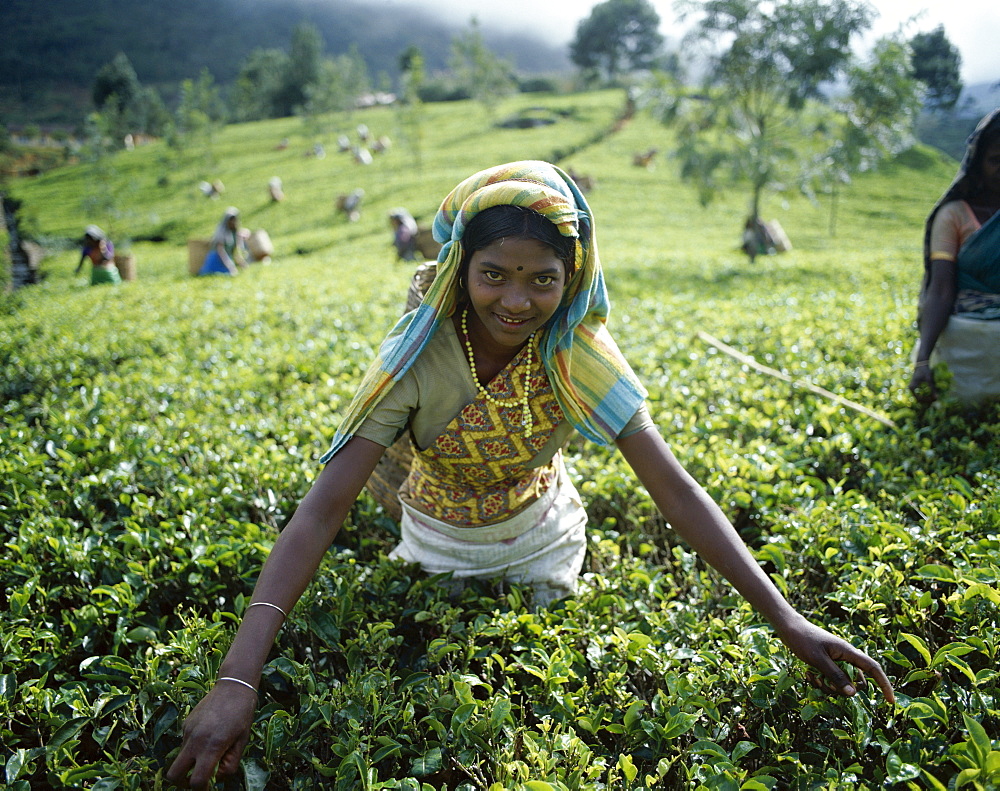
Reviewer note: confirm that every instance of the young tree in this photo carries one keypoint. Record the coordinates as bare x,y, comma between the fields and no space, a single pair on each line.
487,77
765,60
199,112
355,72
937,64
411,106
878,115
330,93
408,57
200,104
106,195
341,81
150,113
619,36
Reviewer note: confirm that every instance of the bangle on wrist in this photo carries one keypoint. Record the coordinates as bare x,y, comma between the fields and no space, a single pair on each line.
246,684
921,363
267,604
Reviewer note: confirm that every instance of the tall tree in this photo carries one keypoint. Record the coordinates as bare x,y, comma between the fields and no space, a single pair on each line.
260,79
105,195
116,82
619,36
125,104
487,77
937,64
765,60
302,69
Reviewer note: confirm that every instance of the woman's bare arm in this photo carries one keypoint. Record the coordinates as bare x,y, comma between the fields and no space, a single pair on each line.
939,301
701,523
217,730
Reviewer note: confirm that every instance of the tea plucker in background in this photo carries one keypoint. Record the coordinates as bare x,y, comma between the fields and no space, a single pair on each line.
959,314
505,357
225,254
404,234
99,250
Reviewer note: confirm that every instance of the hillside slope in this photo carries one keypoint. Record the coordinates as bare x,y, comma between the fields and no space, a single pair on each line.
152,192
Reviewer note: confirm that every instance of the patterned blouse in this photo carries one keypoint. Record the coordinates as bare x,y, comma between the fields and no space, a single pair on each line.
477,471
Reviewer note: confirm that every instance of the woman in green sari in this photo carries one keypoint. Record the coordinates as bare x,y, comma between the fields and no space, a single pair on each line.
98,249
959,315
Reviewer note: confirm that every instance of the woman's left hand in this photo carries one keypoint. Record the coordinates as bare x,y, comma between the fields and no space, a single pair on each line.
700,522
822,650
922,384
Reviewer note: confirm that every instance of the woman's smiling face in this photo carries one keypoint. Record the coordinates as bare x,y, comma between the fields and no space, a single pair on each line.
515,285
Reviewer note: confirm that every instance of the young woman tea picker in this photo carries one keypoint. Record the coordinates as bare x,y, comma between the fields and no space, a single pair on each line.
507,355
962,272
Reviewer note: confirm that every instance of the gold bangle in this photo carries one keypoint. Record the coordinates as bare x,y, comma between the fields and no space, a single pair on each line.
246,684
267,604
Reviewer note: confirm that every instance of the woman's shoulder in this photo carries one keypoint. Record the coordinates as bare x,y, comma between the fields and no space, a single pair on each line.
443,344
954,218
954,210
439,361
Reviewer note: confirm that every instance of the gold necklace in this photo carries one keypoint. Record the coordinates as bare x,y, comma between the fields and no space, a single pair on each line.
526,419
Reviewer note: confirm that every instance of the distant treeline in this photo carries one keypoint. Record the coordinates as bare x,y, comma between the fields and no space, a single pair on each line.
56,47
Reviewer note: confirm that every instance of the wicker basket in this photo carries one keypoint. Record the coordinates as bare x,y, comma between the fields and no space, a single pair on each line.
425,243
394,465
197,250
126,265
260,246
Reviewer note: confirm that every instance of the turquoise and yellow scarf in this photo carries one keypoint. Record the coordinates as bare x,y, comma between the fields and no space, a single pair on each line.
593,383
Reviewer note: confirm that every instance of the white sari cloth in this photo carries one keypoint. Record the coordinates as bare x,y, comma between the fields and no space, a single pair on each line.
970,347
542,546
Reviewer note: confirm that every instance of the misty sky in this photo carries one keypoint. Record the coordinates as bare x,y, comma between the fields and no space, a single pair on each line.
971,25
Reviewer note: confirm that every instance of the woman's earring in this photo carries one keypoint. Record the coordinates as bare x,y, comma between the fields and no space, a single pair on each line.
461,283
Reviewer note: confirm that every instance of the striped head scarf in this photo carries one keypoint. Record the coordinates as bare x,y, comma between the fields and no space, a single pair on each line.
223,234
596,389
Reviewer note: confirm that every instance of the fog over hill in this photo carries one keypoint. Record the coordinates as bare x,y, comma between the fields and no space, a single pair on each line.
50,50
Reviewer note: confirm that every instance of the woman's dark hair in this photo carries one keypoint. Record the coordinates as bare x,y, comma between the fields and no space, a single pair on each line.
516,222
989,137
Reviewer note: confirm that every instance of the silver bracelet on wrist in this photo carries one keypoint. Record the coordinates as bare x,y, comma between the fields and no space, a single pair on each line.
921,363
246,684
267,604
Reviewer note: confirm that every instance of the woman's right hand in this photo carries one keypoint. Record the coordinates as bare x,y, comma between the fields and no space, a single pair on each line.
215,733
922,384
218,728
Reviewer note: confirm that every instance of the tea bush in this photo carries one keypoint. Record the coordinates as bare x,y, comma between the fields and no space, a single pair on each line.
157,435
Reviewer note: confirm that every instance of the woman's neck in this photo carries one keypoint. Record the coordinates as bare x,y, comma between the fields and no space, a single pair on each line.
984,205
491,358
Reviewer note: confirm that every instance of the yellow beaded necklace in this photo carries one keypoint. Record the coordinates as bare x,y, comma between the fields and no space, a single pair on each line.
526,420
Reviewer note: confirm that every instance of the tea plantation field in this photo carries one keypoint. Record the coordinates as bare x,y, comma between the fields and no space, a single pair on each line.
157,435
